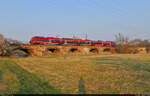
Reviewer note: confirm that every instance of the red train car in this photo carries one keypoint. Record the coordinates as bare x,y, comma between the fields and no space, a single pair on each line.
69,41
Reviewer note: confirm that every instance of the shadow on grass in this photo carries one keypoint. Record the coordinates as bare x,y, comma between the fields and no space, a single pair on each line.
28,82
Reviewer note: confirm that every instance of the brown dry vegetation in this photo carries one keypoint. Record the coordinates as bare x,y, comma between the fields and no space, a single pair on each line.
16,80
4,46
102,74
124,45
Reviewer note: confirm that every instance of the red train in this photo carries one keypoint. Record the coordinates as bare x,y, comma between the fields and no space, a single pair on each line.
69,41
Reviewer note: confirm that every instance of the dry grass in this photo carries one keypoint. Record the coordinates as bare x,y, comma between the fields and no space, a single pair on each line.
16,80
102,74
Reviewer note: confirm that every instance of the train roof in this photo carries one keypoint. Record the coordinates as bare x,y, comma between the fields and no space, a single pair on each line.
72,39
56,37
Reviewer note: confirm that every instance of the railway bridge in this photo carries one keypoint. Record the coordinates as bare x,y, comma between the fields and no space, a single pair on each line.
48,50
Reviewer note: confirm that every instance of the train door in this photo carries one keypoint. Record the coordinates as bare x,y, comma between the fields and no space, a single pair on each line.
65,41
90,42
110,44
50,41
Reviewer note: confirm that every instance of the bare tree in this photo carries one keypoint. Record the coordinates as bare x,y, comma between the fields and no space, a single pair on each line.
4,46
121,39
137,42
7,46
141,43
14,42
146,44
123,44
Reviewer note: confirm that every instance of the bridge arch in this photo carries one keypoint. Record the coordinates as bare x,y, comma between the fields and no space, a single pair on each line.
74,50
53,50
93,50
20,52
107,50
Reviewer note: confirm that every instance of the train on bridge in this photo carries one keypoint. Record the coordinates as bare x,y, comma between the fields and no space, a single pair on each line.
69,41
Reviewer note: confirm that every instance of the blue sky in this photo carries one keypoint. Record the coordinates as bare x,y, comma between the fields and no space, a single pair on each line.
100,19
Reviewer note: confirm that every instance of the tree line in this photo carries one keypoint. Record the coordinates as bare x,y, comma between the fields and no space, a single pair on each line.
124,44
7,45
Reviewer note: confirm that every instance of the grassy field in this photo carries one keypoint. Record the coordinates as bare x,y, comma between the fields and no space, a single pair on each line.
102,74
16,80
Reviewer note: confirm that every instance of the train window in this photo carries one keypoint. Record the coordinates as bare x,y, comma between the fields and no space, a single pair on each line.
76,41
37,39
50,40
53,40
73,41
57,41
82,42
42,39
68,41
62,41
93,42
88,42
46,40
